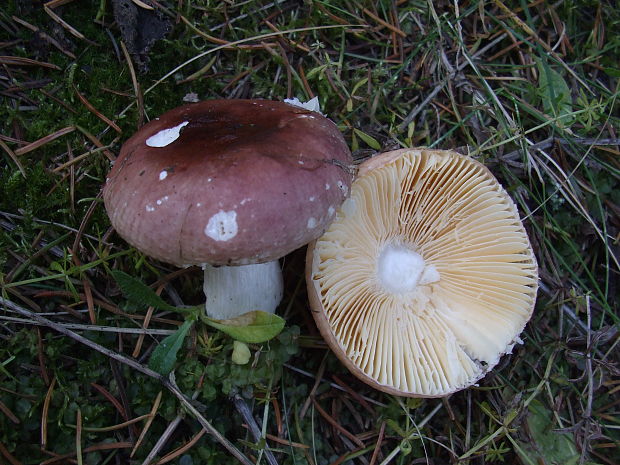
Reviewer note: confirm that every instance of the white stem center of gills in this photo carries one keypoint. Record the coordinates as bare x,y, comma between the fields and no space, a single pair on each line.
401,270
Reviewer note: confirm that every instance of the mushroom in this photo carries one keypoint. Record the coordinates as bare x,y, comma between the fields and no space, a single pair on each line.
426,276
231,185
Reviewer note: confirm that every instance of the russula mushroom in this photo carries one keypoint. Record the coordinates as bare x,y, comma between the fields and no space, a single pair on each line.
426,276
231,185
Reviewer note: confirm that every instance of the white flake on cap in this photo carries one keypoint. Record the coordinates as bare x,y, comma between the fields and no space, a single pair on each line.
222,226
166,136
163,175
312,104
311,223
343,187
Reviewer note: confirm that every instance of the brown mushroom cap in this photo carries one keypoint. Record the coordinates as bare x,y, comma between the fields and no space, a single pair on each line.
426,276
228,182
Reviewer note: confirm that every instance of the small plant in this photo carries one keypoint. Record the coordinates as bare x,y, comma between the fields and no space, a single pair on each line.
252,327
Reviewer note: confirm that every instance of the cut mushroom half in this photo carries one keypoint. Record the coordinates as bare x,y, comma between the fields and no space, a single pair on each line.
426,277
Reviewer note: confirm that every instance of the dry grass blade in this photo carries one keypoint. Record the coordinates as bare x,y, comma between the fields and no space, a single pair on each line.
141,4
98,143
384,23
286,442
98,447
44,412
375,454
72,161
7,411
117,405
44,36
147,425
7,455
336,425
95,112
125,424
21,61
44,140
78,437
136,86
317,382
63,23
13,156
182,449
145,324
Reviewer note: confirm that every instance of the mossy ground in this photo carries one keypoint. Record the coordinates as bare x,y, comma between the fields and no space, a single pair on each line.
530,89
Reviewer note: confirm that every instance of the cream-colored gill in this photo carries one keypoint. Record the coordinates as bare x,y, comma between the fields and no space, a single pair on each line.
426,276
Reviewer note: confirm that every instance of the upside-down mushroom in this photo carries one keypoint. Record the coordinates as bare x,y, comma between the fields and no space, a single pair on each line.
426,276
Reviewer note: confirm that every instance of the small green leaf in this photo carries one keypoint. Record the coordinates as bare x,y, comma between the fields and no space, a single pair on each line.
139,293
546,445
241,353
164,356
405,447
251,327
369,140
555,93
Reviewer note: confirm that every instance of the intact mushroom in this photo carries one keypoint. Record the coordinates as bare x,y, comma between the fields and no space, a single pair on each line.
231,185
426,277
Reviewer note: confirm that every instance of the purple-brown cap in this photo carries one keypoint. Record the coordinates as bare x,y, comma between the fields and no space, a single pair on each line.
228,182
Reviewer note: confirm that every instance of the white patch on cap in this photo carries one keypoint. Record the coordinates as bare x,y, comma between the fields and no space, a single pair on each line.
312,104
150,208
331,211
162,200
327,187
343,187
311,223
166,136
163,175
311,199
222,226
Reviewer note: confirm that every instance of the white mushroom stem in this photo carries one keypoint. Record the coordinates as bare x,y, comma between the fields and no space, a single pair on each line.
234,290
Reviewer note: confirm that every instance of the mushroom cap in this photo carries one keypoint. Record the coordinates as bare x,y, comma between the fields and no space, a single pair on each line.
426,276
228,182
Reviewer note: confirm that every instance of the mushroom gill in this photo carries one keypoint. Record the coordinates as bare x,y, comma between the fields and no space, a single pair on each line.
426,277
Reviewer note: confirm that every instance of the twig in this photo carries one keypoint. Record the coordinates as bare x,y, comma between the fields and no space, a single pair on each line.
168,382
163,438
103,329
245,411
